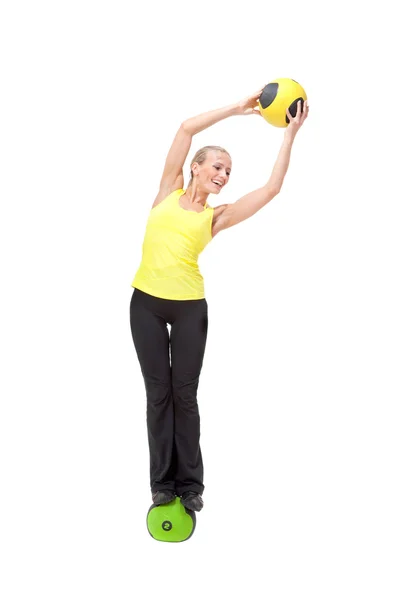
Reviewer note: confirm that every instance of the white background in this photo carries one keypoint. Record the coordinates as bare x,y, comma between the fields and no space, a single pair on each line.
299,392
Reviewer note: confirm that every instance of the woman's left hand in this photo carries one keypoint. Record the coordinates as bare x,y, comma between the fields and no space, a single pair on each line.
249,105
296,122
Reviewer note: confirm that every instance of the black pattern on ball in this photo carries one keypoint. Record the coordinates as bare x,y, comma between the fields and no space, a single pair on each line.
293,108
268,94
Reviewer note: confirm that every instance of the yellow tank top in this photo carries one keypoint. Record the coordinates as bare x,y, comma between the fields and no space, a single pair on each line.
173,240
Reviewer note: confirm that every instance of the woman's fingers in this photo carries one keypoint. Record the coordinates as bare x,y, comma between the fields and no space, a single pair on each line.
256,95
305,111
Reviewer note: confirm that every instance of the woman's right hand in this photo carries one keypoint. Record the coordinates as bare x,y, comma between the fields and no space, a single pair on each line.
249,105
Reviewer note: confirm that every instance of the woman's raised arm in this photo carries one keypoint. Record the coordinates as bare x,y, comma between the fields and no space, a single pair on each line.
232,214
172,176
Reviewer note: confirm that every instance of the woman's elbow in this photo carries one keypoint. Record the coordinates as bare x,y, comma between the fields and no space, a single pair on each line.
187,127
272,190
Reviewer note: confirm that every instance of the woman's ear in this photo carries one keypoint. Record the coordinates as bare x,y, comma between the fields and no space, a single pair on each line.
195,168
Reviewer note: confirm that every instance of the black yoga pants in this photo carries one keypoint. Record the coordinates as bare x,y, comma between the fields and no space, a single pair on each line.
171,363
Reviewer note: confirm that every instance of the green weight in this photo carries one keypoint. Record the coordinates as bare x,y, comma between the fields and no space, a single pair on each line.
171,522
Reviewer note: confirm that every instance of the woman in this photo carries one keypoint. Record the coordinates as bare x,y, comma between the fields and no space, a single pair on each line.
169,289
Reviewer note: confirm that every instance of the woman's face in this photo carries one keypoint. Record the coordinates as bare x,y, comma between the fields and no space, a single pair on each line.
213,174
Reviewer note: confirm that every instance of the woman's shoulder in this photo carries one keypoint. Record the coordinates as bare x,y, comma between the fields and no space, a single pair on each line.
166,194
218,210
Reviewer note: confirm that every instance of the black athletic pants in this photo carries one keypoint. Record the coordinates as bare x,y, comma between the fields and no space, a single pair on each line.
171,365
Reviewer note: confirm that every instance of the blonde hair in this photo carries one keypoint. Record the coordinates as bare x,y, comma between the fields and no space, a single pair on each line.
201,156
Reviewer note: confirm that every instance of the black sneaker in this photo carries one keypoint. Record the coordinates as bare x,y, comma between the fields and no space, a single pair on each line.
163,497
192,501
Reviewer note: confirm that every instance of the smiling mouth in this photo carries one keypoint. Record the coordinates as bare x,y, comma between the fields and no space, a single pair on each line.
217,183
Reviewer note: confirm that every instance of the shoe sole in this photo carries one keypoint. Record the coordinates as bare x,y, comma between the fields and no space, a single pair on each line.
166,502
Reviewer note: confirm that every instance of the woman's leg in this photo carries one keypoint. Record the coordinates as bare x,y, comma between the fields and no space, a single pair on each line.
188,341
151,340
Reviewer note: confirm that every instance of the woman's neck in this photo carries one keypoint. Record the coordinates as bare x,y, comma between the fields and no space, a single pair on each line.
195,196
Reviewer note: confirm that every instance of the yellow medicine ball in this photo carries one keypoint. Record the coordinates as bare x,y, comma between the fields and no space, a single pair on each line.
276,97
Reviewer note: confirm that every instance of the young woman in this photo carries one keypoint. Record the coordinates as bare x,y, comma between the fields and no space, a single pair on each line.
169,289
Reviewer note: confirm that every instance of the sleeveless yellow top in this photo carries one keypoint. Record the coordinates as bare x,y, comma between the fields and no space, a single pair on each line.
173,240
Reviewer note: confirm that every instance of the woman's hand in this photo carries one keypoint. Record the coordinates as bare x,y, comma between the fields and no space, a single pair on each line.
249,105
296,122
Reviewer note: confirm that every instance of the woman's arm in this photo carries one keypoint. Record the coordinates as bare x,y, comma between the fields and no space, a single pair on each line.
172,176
248,205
